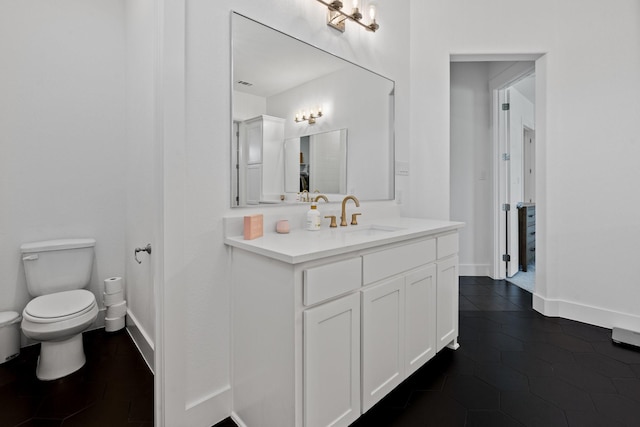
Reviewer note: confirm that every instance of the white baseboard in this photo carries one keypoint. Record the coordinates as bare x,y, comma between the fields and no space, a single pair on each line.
586,314
209,409
237,420
475,270
141,339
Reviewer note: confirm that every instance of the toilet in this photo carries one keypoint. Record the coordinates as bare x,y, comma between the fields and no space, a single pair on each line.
56,273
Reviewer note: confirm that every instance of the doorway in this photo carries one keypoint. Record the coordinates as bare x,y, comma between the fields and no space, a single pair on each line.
483,167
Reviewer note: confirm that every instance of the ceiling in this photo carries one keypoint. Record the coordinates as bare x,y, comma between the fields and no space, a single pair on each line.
284,62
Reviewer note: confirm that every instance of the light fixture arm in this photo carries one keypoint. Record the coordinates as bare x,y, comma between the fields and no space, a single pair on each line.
336,17
311,118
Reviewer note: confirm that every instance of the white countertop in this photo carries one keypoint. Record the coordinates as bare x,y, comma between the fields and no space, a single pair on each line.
301,245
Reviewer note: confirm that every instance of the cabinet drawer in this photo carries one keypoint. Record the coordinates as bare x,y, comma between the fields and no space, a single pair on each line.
330,280
531,216
531,231
379,265
447,245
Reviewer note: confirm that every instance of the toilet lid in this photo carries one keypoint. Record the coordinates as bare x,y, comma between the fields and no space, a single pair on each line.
60,304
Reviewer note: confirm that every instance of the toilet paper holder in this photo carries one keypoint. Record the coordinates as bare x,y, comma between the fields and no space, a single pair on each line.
146,249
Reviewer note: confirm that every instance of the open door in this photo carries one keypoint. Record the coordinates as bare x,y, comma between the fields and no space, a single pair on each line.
529,150
514,188
510,191
516,124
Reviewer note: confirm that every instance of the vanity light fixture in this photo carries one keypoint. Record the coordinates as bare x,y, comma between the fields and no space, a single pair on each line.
336,17
311,118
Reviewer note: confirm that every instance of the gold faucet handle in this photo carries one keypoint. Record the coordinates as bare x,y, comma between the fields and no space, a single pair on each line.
333,221
354,219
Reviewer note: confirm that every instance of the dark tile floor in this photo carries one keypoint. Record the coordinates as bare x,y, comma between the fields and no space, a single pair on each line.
114,388
516,367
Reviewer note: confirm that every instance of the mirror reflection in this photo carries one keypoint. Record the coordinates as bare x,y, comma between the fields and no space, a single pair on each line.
318,161
305,120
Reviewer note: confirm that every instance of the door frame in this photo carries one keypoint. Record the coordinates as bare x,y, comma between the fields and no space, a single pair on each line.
504,80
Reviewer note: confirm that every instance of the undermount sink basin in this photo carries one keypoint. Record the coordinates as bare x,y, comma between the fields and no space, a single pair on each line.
371,230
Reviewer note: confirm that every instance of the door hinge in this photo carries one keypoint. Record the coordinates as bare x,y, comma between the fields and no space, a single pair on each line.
506,207
506,156
506,258
506,106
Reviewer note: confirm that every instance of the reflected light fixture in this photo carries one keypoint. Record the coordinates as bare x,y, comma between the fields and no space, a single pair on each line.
336,17
311,118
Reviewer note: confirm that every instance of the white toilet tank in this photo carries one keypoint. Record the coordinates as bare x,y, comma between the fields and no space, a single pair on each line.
57,265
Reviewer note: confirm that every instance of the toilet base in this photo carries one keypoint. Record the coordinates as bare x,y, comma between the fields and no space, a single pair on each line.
60,358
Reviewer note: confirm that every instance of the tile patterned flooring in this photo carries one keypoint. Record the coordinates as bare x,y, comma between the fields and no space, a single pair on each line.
516,367
114,388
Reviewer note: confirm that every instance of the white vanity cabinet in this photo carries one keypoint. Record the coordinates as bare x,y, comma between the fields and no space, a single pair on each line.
331,336
398,316
318,342
382,340
331,365
398,331
447,292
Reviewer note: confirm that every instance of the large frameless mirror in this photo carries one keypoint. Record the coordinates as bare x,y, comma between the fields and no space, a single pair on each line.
305,120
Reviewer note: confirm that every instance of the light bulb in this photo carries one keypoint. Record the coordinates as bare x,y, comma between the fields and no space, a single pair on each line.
355,4
372,12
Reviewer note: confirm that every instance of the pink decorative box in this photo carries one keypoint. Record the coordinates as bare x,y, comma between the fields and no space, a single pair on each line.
252,226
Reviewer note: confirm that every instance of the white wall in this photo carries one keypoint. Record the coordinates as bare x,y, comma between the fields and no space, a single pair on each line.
196,174
247,106
142,184
587,102
471,167
62,133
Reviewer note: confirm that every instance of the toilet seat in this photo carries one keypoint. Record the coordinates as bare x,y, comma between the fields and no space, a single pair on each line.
57,322
58,328
59,306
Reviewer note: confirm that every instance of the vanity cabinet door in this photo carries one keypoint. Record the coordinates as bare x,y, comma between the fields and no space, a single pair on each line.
447,297
253,129
382,340
420,318
331,363
254,184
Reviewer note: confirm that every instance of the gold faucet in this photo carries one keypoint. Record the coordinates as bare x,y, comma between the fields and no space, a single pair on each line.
321,196
333,221
343,218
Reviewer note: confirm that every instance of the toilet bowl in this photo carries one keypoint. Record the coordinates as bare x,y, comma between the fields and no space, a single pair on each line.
57,321
56,273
